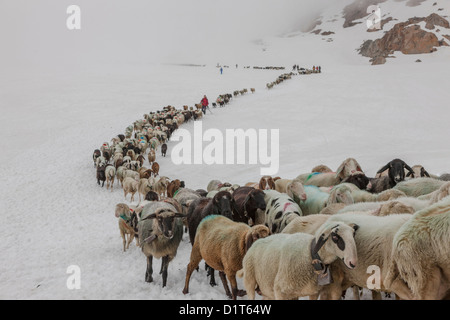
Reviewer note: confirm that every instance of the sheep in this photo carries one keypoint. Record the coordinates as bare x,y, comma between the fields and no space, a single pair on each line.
445,177
358,195
155,168
144,186
328,179
110,173
101,175
293,188
247,201
151,156
299,262
280,210
130,185
221,204
374,246
120,174
419,186
359,179
160,232
418,172
160,186
222,243
266,183
396,173
127,224
97,153
317,199
173,187
164,149
420,252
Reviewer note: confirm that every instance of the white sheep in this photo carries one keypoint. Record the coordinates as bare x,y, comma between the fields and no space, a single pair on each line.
328,179
130,185
317,199
374,246
421,256
420,186
110,173
297,261
280,210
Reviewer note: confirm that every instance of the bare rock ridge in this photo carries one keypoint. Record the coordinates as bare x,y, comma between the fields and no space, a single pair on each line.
407,37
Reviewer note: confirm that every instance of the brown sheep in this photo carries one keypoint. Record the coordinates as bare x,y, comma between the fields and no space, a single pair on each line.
151,156
155,168
173,187
222,243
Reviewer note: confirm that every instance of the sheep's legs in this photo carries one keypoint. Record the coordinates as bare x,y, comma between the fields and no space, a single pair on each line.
212,281
195,259
223,277
148,273
234,289
164,267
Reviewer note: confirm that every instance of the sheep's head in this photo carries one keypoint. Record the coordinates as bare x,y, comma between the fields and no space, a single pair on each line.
337,239
266,183
296,189
256,199
396,170
359,179
256,232
223,203
165,221
347,167
340,194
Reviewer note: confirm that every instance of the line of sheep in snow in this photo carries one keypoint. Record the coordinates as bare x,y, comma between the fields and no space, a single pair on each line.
315,235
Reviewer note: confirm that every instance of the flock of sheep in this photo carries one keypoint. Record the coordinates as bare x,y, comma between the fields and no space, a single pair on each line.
315,235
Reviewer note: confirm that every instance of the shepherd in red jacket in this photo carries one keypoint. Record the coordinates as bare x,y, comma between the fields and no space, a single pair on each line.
205,104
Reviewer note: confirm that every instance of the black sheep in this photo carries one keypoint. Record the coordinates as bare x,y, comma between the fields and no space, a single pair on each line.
248,200
164,149
396,173
101,176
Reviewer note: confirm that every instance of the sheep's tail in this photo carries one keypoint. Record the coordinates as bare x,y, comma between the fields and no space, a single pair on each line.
240,273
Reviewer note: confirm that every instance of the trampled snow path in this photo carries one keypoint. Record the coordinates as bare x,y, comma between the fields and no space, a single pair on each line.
55,215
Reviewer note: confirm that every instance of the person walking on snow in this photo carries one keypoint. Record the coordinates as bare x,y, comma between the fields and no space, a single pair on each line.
221,70
205,104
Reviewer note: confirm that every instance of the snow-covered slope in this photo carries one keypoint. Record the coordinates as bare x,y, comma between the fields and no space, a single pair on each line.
54,214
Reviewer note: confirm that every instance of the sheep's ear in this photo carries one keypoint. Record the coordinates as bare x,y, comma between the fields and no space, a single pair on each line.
261,187
354,226
248,240
408,168
180,215
425,173
409,174
340,171
384,168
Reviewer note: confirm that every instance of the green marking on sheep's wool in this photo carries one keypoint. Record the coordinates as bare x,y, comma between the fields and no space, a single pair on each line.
124,217
311,175
176,193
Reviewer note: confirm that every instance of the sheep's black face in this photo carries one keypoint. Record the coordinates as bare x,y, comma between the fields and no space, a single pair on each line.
359,180
397,171
166,225
258,200
223,202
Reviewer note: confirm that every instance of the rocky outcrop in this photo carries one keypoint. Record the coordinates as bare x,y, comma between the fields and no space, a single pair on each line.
406,37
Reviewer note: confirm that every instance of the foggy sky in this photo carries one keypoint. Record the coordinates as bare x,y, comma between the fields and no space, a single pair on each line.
34,33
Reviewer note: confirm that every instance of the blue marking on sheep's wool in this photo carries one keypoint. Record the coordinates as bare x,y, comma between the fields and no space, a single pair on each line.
311,175
210,217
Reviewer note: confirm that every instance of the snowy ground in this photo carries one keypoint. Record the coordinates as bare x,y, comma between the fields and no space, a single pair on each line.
54,214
